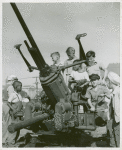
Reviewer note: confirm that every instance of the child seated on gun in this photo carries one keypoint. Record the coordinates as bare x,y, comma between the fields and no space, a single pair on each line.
93,67
78,76
71,57
97,95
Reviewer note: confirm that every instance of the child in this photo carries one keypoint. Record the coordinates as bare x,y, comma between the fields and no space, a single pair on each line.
94,67
78,76
71,57
113,125
11,80
15,102
56,59
15,96
98,97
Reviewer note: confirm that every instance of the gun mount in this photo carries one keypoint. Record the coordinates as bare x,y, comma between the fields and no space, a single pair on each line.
63,104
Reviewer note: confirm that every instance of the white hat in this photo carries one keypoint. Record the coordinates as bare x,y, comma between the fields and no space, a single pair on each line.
12,77
114,78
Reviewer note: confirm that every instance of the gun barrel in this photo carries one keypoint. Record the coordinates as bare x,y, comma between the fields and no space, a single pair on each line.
28,34
74,64
25,60
17,126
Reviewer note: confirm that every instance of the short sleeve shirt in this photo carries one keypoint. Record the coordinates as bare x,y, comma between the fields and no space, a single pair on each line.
79,76
94,95
15,97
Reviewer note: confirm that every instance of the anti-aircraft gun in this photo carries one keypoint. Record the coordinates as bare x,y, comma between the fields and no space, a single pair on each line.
63,114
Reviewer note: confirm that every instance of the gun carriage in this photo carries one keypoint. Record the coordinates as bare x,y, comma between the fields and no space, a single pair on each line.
60,115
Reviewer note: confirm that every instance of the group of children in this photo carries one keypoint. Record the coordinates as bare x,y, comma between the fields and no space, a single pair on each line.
100,90
86,76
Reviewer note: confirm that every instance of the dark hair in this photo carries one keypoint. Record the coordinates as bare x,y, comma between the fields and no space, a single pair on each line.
94,77
15,84
90,53
56,53
68,49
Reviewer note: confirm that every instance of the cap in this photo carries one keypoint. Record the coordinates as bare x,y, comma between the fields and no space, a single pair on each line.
12,77
114,78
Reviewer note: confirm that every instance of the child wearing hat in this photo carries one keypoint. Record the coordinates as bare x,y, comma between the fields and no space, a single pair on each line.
113,125
97,95
10,81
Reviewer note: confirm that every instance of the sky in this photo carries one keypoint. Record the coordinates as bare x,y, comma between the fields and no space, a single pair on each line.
54,27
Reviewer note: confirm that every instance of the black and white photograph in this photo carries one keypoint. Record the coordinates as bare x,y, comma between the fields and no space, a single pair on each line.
60,74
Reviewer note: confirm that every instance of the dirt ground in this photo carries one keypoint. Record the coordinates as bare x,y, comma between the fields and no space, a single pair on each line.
95,138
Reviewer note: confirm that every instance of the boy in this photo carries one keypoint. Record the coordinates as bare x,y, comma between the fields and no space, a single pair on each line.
15,100
98,96
113,125
71,57
11,80
94,67
78,76
56,59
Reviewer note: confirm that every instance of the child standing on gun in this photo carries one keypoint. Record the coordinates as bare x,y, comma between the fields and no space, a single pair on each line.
71,57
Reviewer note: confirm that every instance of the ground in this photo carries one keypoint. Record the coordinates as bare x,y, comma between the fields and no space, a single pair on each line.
95,138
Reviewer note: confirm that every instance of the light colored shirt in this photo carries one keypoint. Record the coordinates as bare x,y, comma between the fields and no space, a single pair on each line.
25,100
79,76
59,64
94,95
15,97
69,62
10,90
116,103
68,71
95,69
